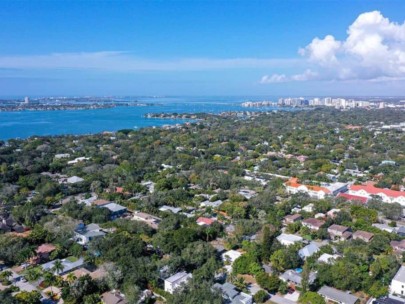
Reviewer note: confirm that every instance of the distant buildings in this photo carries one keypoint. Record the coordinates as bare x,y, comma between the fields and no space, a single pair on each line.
320,192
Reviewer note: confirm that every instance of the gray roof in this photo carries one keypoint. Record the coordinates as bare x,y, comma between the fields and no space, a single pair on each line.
180,276
308,250
67,266
295,277
114,207
400,276
227,289
337,295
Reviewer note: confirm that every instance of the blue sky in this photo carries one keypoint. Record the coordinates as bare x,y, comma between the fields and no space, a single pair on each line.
202,47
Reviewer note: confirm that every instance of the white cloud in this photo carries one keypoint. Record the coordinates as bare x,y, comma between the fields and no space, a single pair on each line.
127,62
374,50
275,78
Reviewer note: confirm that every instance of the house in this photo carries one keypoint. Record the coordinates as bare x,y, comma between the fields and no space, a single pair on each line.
43,251
230,256
289,239
368,190
176,281
353,198
232,295
100,202
71,180
205,221
77,160
171,209
385,227
313,223
214,204
67,265
150,220
116,210
332,213
397,286
62,155
292,218
363,235
86,233
8,224
113,297
337,296
248,194
295,278
389,300
338,232
400,230
398,245
327,258
309,208
308,250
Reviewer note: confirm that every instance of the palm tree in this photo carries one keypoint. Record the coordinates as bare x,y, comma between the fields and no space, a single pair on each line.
71,278
58,266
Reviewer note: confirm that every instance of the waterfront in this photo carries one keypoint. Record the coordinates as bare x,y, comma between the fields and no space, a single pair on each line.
29,123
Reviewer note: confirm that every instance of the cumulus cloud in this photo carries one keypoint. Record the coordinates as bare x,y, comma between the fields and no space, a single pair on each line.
374,50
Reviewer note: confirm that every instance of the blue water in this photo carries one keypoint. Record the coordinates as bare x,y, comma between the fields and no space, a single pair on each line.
28,123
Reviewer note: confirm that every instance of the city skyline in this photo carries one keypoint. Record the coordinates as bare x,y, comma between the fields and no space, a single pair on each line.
202,48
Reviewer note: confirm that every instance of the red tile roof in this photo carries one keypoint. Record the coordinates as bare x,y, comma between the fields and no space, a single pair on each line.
205,221
369,188
45,248
351,197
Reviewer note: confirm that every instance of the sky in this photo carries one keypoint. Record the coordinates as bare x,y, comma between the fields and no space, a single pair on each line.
281,48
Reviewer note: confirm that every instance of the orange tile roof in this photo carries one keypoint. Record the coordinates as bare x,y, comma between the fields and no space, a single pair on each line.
293,182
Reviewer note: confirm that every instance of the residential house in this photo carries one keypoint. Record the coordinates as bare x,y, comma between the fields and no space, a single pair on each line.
177,281
363,235
43,251
397,286
67,264
86,233
71,180
289,239
77,160
327,258
295,278
385,227
248,194
292,218
309,208
232,295
368,190
113,297
308,250
229,257
398,245
205,221
313,223
338,232
171,209
8,224
332,213
150,220
337,296
213,205
116,210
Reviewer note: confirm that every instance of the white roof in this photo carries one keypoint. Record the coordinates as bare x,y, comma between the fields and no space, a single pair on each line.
74,179
179,277
231,254
292,238
327,258
400,276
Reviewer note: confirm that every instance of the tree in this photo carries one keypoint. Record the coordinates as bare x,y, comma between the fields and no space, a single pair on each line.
261,296
311,298
266,244
26,297
305,277
270,283
58,266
